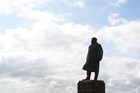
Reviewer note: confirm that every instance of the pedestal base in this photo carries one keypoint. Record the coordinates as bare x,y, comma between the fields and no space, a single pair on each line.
91,86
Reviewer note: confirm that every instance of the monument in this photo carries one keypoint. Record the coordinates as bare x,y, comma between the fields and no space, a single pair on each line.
94,56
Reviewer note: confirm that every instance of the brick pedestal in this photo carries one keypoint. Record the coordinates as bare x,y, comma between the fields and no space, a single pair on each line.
91,86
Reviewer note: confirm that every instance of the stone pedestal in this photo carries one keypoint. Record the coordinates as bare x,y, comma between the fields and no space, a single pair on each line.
91,86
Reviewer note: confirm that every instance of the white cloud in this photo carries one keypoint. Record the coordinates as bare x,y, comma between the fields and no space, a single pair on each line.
125,36
17,85
38,15
46,51
114,20
41,74
121,74
77,3
45,34
118,2
7,7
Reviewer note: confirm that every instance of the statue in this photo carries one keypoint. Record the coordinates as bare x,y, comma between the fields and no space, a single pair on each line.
94,56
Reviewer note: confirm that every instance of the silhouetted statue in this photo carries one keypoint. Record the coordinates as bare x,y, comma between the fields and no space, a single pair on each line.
94,56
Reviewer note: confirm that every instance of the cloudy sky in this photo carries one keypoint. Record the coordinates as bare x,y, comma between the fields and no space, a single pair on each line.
44,43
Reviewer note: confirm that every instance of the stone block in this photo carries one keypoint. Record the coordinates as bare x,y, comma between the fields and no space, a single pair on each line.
91,86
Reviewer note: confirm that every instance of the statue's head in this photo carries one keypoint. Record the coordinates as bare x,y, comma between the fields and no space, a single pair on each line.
94,39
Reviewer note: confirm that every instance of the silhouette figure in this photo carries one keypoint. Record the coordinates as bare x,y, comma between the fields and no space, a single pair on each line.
94,56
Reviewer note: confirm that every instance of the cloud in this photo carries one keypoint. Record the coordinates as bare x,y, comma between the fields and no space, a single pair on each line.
38,15
38,75
120,68
77,3
118,2
121,74
80,4
42,55
41,72
114,20
45,34
7,7
125,37
17,85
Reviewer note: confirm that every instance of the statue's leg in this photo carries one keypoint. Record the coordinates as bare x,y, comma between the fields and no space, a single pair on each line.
96,74
88,75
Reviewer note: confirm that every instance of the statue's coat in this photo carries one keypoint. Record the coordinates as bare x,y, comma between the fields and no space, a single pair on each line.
92,62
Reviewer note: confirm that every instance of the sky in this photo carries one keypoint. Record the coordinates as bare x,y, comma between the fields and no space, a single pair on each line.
44,44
